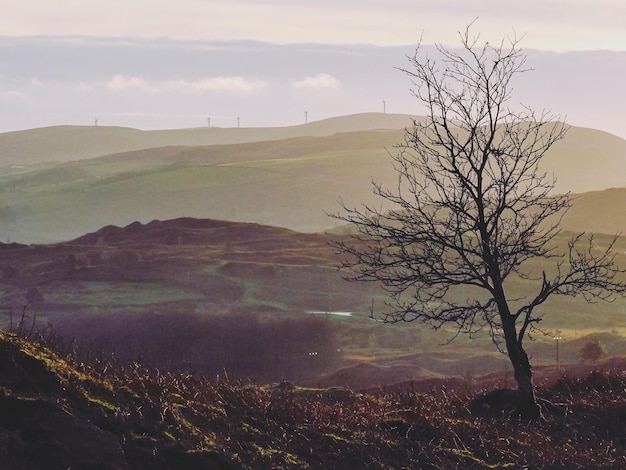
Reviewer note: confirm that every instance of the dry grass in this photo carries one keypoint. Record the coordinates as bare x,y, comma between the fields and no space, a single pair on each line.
281,426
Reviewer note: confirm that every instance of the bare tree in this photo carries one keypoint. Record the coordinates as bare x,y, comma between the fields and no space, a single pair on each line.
472,210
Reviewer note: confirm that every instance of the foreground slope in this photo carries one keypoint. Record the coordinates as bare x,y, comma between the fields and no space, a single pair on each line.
56,413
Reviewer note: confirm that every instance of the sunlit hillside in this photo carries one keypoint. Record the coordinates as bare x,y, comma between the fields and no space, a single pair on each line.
287,177
587,160
598,211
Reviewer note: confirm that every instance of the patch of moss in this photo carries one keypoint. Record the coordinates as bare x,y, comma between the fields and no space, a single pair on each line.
285,457
336,437
466,453
101,403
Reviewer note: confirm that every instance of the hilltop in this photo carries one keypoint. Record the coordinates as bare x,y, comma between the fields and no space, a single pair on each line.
70,143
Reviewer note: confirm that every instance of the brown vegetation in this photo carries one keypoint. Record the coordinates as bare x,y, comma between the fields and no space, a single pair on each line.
59,413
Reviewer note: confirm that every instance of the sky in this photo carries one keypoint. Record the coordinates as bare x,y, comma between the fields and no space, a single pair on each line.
553,24
156,64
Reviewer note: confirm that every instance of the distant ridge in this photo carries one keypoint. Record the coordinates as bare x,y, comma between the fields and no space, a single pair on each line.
70,143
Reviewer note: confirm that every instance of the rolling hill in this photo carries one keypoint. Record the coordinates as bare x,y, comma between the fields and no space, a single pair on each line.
290,182
69,143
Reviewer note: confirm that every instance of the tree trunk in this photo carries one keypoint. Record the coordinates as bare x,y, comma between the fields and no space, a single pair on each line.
527,406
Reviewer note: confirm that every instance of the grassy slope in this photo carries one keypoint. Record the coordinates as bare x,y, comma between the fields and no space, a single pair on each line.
288,183
598,211
587,160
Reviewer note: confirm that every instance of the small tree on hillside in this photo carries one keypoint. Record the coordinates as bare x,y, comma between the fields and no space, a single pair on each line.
472,210
591,350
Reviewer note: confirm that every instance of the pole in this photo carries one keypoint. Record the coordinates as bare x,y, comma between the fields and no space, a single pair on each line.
558,366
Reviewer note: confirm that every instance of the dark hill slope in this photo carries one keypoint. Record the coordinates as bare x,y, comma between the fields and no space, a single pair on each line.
209,293
194,232
56,414
203,262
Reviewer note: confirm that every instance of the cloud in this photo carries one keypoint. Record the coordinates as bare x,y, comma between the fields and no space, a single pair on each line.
322,80
126,82
236,84
34,82
560,24
14,94
19,88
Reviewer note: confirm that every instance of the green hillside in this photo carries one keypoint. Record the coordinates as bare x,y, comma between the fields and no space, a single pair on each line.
289,183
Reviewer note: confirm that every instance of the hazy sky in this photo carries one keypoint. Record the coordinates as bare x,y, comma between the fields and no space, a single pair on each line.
159,64
550,24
